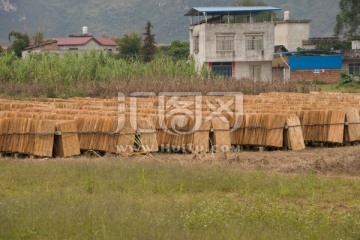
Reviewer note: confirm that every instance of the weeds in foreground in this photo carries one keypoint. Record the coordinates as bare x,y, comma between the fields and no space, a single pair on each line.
113,198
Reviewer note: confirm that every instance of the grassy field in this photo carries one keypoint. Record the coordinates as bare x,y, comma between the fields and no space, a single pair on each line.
112,198
353,87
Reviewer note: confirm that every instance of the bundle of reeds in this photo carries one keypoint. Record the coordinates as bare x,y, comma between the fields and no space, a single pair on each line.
352,132
27,136
294,139
323,126
66,142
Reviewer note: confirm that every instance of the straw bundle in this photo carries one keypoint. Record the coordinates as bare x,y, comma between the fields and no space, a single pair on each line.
353,128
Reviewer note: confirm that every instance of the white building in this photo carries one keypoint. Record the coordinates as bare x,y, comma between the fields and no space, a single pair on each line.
355,44
292,33
233,41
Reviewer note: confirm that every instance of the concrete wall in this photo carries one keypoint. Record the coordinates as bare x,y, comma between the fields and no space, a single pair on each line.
242,70
198,31
292,33
91,45
54,49
207,46
207,42
278,75
281,35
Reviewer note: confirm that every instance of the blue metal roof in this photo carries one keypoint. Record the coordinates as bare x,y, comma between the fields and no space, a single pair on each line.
315,62
318,52
229,10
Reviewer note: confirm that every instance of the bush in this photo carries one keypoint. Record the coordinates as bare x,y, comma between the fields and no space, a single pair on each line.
345,78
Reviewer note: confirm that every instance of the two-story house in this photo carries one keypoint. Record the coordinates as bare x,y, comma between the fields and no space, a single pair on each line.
233,41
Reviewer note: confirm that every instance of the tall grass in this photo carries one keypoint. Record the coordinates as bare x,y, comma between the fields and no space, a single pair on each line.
103,75
114,198
88,66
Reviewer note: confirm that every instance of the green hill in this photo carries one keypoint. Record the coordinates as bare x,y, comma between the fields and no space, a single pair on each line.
116,17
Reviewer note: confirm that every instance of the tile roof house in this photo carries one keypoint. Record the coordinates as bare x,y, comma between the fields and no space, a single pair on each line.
73,43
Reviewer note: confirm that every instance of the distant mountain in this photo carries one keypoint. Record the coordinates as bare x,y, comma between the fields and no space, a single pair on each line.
115,17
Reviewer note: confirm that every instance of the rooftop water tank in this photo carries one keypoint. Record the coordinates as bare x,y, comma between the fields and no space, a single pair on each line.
85,30
286,15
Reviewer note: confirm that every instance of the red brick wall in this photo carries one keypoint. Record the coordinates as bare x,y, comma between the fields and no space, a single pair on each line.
233,69
325,75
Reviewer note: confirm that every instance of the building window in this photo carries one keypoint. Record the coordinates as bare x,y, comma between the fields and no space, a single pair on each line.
254,42
196,44
223,69
255,72
224,43
354,69
73,49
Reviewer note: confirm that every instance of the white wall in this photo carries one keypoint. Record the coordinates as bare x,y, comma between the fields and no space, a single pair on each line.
242,70
281,35
355,44
207,42
292,33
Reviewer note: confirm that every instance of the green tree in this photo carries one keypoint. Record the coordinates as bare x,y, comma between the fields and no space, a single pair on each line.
148,48
19,41
333,45
37,38
177,50
348,20
249,3
129,45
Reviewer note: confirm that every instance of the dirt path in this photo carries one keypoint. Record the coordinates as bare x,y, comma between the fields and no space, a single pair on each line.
325,161
342,161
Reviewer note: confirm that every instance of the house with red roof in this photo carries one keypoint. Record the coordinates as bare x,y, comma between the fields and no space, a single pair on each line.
73,43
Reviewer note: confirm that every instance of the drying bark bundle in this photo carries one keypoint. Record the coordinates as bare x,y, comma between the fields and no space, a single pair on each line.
58,127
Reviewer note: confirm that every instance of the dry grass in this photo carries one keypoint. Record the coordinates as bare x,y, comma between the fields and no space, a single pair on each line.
111,88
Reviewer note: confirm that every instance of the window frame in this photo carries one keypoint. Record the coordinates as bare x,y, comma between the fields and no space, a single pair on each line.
254,42
225,42
196,44
255,72
354,69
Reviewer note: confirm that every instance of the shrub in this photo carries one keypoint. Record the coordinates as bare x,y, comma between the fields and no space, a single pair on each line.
345,78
